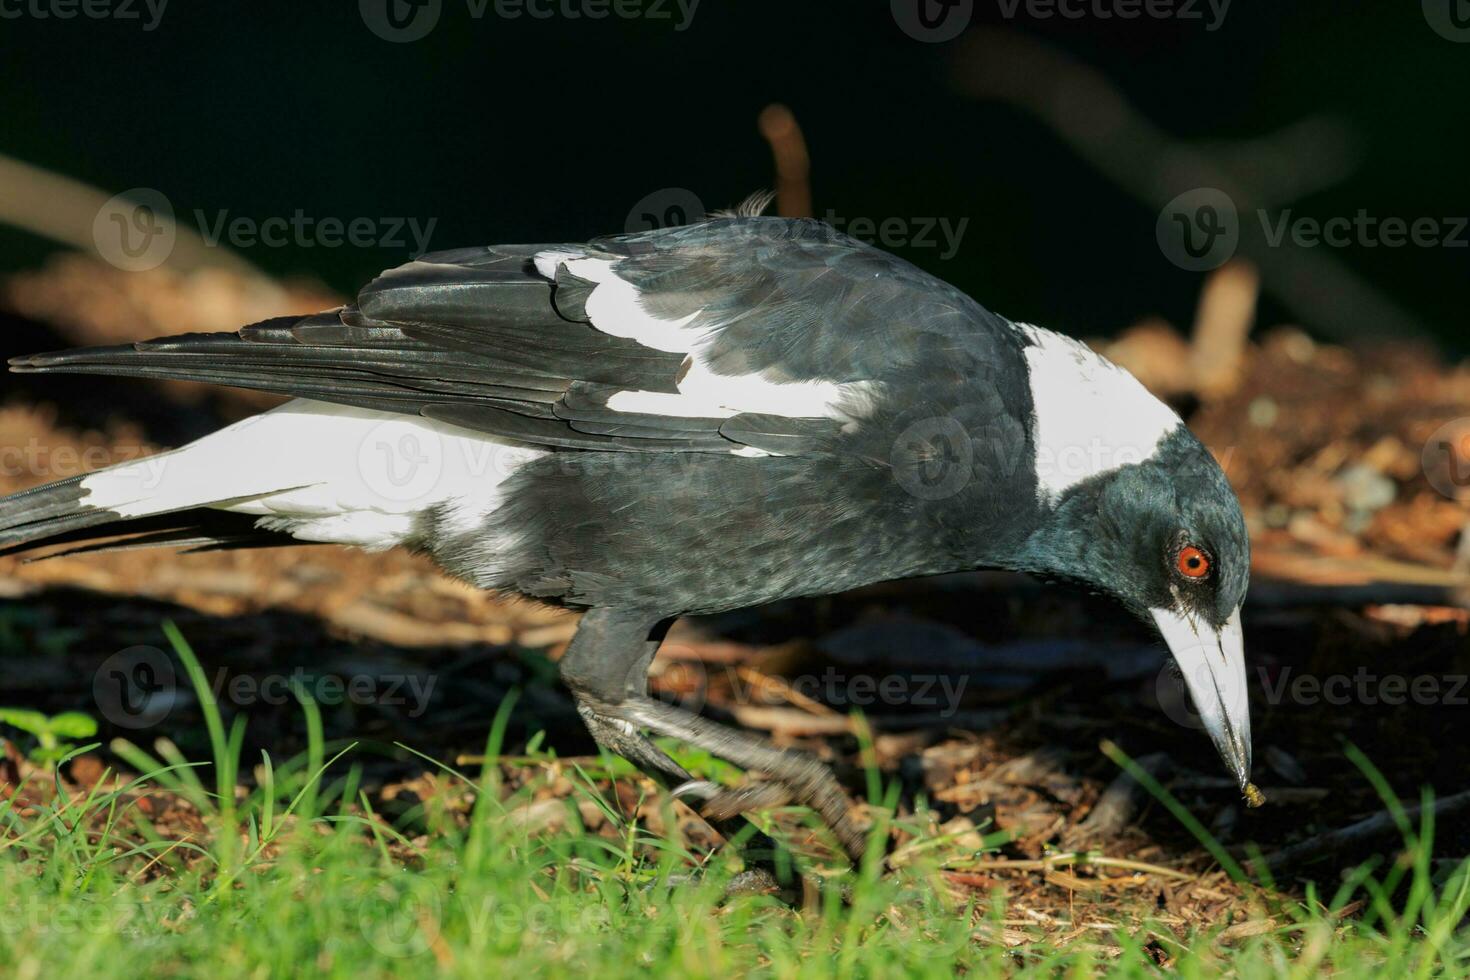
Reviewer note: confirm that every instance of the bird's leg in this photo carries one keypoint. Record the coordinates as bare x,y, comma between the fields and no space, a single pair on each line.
798,776
605,666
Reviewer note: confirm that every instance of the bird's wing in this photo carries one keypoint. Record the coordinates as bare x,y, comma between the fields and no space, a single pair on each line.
752,335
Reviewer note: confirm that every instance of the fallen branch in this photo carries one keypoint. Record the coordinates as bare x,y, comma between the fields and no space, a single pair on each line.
1118,805
1084,858
1359,833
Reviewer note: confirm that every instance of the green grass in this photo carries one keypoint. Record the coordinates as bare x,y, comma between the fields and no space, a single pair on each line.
299,876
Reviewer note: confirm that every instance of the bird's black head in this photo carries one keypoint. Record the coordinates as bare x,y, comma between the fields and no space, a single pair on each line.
1166,536
1166,533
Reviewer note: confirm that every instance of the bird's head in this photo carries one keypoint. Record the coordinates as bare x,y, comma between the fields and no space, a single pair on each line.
1166,536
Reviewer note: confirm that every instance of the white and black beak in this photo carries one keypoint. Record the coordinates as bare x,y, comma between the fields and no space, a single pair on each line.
1212,660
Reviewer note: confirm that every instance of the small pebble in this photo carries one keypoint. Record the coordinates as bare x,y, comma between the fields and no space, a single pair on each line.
1366,490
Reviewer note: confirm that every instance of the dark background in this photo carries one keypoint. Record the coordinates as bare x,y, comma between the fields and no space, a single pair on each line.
543,130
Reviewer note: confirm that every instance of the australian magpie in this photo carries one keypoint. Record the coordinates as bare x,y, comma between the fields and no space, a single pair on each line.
684,421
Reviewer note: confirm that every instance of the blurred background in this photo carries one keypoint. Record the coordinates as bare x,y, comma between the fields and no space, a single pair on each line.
1260,209
1054,131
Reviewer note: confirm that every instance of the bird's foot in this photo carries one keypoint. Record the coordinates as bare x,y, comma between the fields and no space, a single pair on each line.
721,803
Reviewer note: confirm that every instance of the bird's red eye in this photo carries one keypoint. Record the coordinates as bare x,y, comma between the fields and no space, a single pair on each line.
1193,563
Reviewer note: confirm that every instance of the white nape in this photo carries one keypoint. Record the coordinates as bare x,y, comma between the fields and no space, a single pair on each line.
1090,415
322,472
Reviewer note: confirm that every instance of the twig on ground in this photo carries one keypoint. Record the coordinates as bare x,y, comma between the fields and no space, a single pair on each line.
1359,833
1119,803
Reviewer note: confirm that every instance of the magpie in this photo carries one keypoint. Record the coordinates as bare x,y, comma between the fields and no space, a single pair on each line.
686,421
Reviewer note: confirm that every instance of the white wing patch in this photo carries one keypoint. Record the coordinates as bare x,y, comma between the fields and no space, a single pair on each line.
1091,416
614,307
322,472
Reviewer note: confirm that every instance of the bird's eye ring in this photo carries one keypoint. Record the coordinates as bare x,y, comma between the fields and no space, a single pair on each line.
1193,562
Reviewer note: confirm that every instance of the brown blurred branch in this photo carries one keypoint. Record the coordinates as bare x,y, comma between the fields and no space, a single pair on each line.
793,166
64,210
1091,114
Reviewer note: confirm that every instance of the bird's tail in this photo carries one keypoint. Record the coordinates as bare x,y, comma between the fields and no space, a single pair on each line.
315,471
158,500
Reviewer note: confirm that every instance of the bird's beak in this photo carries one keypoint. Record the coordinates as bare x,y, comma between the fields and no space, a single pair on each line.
1213,663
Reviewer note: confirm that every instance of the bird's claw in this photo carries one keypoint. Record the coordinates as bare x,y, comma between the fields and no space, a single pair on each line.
700,789
726,804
